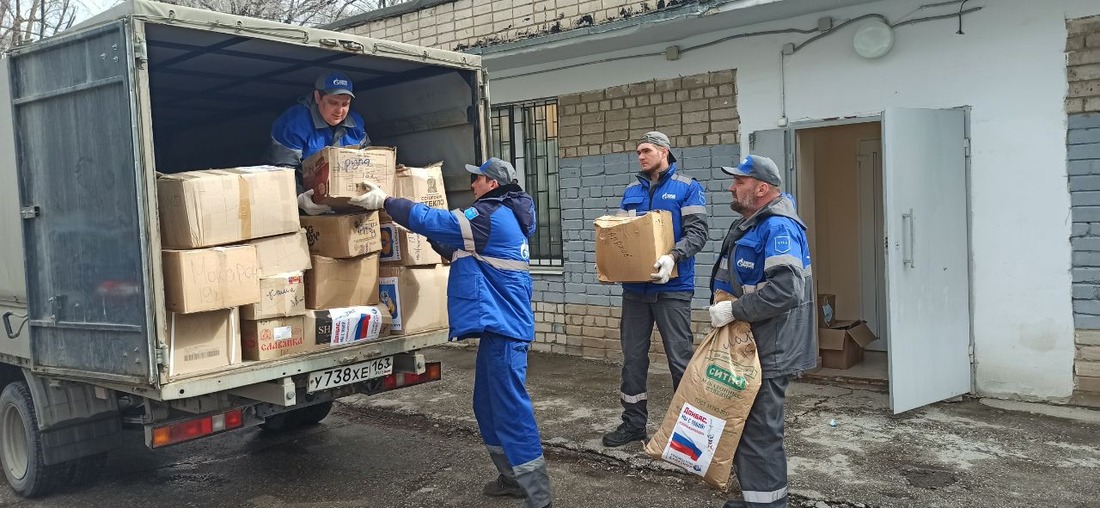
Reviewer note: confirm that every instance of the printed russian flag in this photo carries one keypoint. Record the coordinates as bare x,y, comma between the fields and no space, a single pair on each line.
684,445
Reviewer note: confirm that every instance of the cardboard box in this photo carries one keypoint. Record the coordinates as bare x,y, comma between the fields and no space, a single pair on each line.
401,247
282,254
628,246
337,174
208,279
343,236
202,341
273,338
334,283
415,297
280,295
422,185
220,206
826,310
841,346
346,325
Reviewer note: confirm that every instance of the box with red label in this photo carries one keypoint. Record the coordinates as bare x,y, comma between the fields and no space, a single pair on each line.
273,338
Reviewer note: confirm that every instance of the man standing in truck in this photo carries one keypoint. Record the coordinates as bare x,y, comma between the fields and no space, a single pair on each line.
323,118
489,297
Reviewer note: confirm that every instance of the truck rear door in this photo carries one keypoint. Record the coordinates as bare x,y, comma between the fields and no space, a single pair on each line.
84,206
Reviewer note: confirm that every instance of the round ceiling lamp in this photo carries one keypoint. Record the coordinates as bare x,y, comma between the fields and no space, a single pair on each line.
873,39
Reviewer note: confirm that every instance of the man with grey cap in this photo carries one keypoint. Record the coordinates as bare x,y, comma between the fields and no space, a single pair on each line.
764,263
322,118
665,300
489,297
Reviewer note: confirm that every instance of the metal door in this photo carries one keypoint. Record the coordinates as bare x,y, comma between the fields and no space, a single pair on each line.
84,218
927,256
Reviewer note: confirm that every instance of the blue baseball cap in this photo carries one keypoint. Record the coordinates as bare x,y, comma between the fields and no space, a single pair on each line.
758,167
334,83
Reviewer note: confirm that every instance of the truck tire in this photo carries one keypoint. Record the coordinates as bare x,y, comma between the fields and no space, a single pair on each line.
21,445
297,418
313,415
85,471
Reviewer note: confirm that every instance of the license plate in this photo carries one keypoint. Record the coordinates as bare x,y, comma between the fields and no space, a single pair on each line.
340,376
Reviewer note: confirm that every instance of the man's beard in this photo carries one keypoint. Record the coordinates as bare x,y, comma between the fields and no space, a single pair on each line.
738,206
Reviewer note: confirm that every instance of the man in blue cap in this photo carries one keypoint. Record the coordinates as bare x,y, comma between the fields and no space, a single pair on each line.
765,263
323,118
489,297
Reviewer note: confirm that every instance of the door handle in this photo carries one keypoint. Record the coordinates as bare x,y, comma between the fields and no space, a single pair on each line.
908,239
7,324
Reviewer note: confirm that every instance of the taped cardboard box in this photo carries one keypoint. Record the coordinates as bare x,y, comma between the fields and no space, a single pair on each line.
422,185
627,246
401,247
220,206
343,236
203,341
346,325
841,345
826,310
415,297
337,174
208,279
273,338
282,254
334,283
280,295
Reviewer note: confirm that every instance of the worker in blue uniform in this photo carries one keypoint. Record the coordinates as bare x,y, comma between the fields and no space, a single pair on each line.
489,297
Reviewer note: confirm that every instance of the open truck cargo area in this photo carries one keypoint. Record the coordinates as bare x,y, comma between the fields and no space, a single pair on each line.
90,119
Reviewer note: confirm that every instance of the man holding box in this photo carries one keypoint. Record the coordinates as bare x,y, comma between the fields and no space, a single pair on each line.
489,296
323,118
765,264
665,300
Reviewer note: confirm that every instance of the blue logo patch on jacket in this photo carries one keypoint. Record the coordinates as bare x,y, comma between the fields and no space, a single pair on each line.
470,213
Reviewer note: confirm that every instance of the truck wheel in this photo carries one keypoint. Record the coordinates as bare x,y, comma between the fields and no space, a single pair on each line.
281,422
85,470
313,415
21,445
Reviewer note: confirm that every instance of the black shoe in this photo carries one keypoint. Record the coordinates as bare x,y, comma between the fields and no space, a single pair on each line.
503,487
623,435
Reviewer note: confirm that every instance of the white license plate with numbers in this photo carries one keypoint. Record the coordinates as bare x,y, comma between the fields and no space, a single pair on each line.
340,376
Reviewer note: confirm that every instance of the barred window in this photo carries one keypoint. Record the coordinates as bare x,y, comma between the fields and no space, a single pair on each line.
526,134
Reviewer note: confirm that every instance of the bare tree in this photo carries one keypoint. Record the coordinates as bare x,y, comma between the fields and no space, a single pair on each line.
24,21
295,12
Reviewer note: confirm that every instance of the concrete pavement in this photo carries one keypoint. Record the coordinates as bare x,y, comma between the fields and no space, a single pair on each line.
948,454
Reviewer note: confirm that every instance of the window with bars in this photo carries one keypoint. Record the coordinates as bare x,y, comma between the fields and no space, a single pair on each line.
526,134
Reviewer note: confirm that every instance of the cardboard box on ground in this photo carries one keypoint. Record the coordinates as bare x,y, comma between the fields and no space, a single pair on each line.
337,174
840,342
627,246
343,236
415,297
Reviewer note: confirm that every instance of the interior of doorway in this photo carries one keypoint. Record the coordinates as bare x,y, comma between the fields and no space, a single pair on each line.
840,197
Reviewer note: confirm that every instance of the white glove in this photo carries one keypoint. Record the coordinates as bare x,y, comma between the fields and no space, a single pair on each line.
374,198
663,266
306,204
721,314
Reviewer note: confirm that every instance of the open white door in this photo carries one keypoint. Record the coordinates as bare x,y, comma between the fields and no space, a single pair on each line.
927,275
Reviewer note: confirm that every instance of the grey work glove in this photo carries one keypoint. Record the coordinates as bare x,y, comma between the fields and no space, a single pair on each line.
373,199
306,204
721,314
663,266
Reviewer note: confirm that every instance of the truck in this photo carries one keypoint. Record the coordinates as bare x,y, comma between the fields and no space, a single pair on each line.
88,119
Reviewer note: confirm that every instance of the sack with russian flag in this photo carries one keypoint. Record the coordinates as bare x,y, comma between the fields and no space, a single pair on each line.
703,425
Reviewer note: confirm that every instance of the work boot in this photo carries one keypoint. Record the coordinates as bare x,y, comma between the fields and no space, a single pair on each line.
622,435
503,487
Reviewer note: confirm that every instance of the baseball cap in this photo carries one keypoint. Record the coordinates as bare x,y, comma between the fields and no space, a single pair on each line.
496,169
334,82
659,139
758,167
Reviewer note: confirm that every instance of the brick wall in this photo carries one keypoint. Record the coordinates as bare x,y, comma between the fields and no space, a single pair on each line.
1083,153
462,24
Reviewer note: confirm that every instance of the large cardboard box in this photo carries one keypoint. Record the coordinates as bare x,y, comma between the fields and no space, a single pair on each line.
202,341
415,297
280,295
401,247
337,174
209,279
273,338
346,325
628,246
343,236
336,283
220,206
422,185
841,346
826,310
283,253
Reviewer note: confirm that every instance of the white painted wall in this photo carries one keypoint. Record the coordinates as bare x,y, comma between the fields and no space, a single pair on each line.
1009,67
